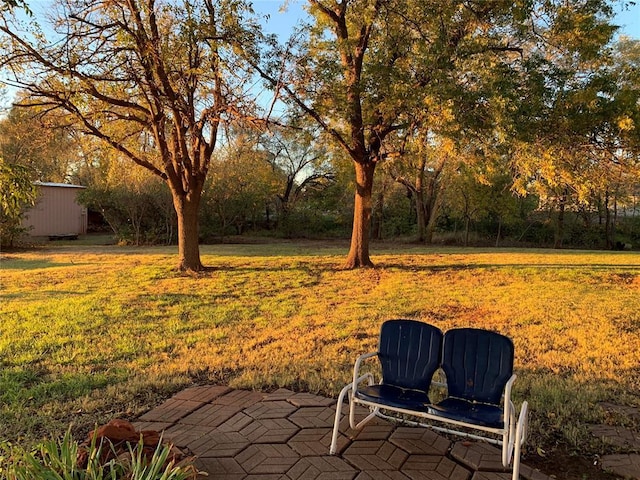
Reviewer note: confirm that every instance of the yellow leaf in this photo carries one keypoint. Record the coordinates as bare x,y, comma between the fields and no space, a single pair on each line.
625,123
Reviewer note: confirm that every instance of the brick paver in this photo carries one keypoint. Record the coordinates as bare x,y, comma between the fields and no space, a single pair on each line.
218,444
211,415
263,476
373,431
434,467
313,417
624,410
279,394
221,468
239,398
267,458
204,394
277,409
375,455
310,400
171,411
321,468
417,440
478,456
269,430
266,476
618,436
283,435
156,426
382,475
315,441
491,476
529,473
625,465
236,423
182,435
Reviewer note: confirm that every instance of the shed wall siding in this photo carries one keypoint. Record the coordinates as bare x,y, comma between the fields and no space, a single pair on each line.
56,213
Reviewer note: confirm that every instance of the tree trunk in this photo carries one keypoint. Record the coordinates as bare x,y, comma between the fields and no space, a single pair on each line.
421,213
614,221
430,197
359,251
467,221
431,226
378,219
188,232
607,225
431,208
559,234
267,212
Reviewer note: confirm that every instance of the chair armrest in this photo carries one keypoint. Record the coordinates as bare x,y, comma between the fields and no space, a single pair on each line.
508,386
523,423
356,368
507,398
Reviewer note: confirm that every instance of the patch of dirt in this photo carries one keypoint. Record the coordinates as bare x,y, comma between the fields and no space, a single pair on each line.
564,466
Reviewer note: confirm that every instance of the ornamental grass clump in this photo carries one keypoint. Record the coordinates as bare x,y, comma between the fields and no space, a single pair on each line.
100,458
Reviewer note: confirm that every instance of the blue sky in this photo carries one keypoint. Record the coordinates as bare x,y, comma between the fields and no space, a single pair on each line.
629,20
285,14
282,19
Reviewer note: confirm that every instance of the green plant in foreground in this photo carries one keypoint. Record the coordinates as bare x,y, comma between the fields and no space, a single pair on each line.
158,468
58,460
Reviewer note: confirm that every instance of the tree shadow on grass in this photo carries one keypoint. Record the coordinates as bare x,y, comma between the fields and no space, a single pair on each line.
515,266
36,384
35,264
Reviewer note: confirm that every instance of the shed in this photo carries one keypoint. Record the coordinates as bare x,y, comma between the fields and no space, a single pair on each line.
57,212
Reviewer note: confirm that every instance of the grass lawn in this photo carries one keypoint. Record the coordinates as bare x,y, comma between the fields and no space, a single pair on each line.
92,333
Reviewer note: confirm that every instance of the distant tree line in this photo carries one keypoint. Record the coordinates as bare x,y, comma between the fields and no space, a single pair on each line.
287,185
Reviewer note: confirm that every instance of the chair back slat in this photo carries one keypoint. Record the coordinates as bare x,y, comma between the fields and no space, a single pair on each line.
409,352
477,364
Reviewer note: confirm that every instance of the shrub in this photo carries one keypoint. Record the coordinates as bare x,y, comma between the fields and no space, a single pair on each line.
138,214
17,193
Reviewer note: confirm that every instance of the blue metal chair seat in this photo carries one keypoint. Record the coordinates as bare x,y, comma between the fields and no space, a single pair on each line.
394,396
462,410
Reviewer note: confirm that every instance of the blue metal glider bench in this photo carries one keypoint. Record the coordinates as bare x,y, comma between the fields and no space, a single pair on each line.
478,366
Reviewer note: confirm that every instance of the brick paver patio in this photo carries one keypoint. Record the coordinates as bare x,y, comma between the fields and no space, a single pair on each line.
238,434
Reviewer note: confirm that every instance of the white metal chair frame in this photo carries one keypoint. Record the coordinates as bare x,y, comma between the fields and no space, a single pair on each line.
511,437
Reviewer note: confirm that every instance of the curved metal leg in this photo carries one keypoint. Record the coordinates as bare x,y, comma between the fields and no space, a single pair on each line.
336,421
521,436
364,421
509,437
352,412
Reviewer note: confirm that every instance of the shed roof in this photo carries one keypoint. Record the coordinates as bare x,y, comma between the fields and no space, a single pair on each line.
61,185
